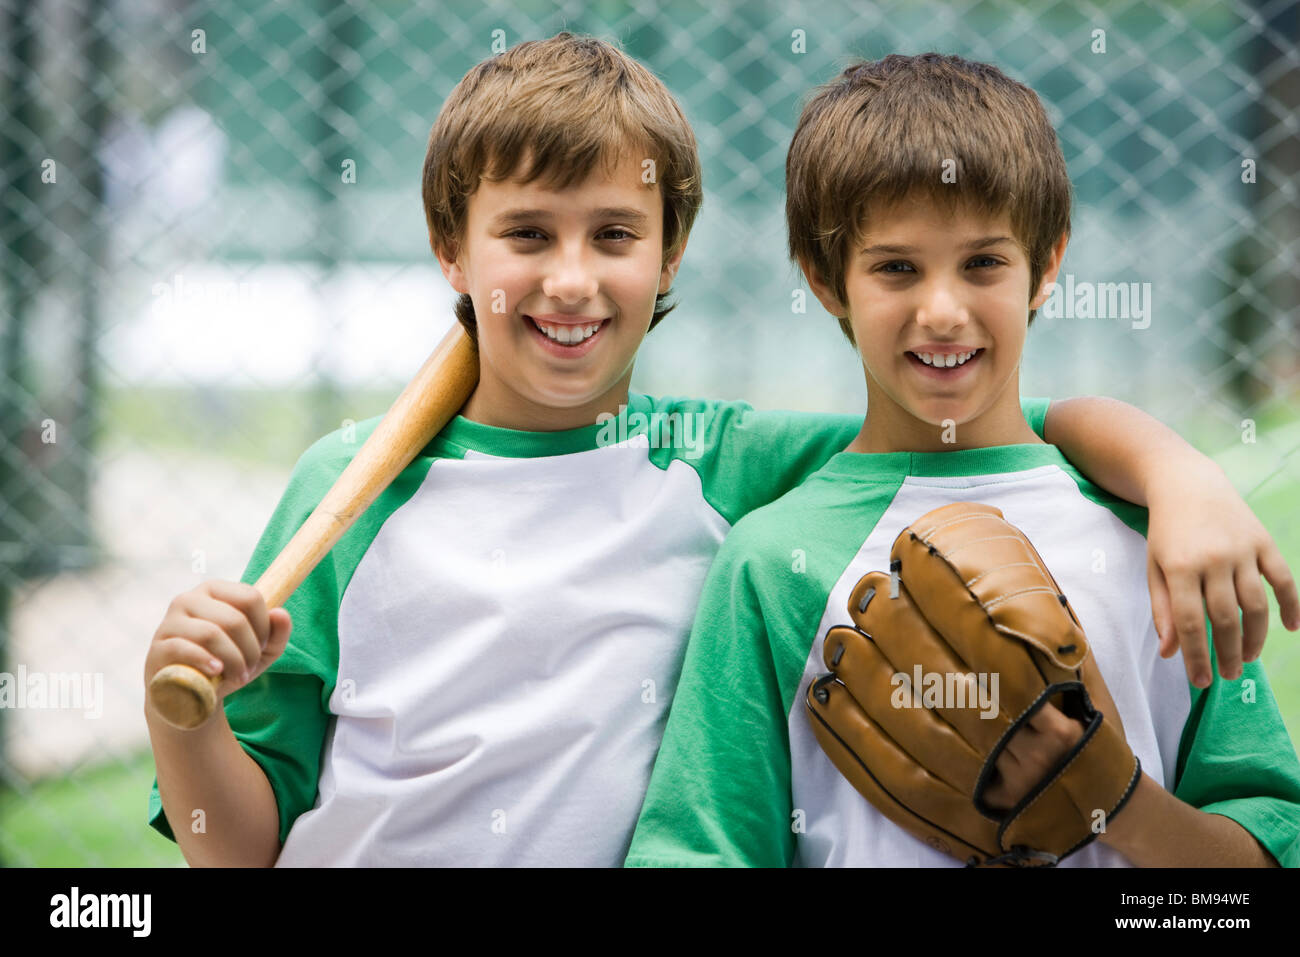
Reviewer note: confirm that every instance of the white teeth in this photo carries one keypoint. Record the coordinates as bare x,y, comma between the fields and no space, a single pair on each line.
567,335
944,361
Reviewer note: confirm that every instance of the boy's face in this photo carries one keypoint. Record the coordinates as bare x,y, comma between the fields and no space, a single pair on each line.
563,284
939,304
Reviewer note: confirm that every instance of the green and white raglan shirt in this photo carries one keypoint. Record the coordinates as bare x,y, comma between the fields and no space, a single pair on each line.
740,778
480,669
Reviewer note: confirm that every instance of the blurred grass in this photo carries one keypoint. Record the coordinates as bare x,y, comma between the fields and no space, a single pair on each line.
94,817
268,427
97,816
1267,473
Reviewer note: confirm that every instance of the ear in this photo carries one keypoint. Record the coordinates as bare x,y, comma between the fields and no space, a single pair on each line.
824,293
669,271
449,261
1050,272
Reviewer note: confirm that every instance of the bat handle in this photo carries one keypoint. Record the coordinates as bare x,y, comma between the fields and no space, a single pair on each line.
185,697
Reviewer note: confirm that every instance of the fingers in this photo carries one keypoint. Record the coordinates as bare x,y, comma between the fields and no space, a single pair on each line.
228,619
187,649
203,646
1058,733
1161,610
1041,742
1236,603
1221,604
237,632
1254,613
1189,624
1032,751
1274,569
221,629
1007,786
281,628
248,600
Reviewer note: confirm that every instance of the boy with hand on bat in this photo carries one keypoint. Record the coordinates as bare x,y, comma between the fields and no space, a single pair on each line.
479,671
921,271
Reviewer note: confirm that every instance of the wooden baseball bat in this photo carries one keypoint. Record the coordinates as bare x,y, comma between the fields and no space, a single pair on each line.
186,697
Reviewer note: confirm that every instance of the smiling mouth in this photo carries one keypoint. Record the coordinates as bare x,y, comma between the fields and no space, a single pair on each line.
953,360
567,334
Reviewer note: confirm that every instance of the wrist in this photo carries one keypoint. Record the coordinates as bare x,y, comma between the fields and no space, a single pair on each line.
1125,830
160,729
1194,474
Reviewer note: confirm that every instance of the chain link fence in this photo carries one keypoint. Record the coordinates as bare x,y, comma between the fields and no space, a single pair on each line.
215,252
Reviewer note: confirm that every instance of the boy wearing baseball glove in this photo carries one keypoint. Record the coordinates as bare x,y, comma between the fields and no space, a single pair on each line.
479,671
940,648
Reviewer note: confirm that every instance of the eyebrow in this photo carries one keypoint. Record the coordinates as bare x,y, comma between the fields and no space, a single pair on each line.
896,250
514,217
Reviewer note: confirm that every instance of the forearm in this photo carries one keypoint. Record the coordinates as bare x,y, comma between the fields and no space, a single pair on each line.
206,769
1155,829
1122,449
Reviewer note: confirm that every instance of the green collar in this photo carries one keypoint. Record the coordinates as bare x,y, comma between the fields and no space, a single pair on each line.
461,435
893,466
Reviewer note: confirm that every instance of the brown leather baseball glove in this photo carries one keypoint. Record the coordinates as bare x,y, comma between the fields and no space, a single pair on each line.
948,656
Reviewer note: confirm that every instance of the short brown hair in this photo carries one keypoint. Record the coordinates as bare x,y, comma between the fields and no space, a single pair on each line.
559,107
882,131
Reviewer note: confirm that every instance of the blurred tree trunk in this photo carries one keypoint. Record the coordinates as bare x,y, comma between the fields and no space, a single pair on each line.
1266,320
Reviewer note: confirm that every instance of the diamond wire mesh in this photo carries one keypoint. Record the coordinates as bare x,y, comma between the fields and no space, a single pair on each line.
193,292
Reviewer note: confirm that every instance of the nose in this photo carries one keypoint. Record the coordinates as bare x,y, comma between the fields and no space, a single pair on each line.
570,278
941,310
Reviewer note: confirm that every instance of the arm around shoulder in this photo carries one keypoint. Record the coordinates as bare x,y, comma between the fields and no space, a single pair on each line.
1212,566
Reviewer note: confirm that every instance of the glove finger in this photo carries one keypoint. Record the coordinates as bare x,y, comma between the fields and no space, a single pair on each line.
892,781
907,641
966,570
891,703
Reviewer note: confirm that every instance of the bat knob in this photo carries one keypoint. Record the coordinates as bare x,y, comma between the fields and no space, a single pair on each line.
184,697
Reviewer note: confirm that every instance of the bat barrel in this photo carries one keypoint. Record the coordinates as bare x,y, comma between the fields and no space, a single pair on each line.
184,696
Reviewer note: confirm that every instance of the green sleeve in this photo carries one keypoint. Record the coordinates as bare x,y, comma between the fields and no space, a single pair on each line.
1035,412
748,458
720,791
279,721
1236,759
282,717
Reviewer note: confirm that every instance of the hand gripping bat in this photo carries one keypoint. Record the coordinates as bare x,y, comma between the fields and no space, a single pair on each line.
185,697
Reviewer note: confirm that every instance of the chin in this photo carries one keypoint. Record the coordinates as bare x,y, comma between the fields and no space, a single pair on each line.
937,413
559,398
